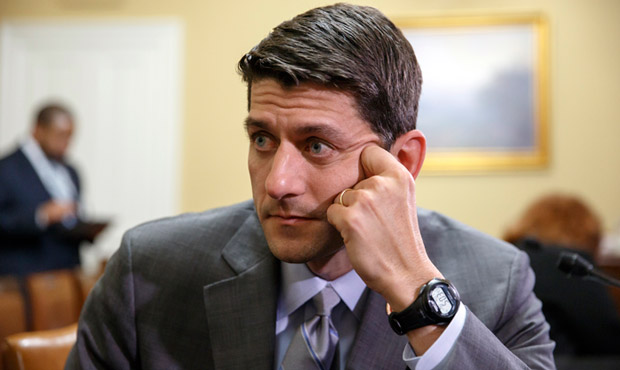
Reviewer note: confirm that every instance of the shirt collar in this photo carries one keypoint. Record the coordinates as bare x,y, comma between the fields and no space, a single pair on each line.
299,285
32,150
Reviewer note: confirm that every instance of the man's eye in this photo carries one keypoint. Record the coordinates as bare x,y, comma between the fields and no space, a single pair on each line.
317,147
260,141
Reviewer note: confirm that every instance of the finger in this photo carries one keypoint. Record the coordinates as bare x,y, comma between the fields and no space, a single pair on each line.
66,208
340,198
340,218
336,214
376,160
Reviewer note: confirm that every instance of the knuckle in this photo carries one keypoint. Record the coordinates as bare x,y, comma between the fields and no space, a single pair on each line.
381,184
374,182
364,197
402,174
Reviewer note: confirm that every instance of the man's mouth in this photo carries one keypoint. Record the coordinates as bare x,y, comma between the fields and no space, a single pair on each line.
290,219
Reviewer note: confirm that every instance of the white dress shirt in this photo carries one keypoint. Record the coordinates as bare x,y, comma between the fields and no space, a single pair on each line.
54,176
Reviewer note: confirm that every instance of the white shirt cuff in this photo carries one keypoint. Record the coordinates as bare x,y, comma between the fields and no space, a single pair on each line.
438,351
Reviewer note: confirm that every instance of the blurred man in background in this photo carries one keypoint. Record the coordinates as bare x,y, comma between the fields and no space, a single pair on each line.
39,199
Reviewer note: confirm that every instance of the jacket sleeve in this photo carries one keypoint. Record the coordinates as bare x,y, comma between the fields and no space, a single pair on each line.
106,337
518,340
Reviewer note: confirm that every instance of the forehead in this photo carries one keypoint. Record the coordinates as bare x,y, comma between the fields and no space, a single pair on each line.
60,122
305,93
306,104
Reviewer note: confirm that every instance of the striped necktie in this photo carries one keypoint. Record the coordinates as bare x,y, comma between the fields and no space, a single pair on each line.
315,342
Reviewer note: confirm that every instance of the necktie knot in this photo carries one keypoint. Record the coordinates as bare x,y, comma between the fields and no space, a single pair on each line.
325,301
314,345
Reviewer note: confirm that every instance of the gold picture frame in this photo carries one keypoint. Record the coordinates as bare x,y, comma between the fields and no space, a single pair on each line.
485,96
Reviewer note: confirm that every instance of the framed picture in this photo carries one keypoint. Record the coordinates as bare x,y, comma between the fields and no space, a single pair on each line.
484,103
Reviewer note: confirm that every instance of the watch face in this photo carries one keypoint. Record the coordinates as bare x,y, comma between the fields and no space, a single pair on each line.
442,301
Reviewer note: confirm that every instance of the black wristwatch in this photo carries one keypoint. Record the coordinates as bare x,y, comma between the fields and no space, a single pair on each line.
436,304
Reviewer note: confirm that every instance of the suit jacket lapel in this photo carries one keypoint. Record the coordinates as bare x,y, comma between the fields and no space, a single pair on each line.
376,346
241,310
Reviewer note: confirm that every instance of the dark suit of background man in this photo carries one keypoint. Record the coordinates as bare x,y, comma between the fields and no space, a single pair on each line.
333,97
39,196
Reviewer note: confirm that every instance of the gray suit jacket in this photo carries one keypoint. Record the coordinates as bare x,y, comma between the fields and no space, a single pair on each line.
199,291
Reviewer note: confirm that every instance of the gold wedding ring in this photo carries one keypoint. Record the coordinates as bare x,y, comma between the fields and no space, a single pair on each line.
342,195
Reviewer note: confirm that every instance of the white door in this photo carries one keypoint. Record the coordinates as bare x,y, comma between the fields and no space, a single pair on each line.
122,82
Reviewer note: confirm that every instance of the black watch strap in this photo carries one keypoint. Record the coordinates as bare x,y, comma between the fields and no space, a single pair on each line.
436,304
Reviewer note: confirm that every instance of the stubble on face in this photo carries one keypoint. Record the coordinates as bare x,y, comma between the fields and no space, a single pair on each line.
300,242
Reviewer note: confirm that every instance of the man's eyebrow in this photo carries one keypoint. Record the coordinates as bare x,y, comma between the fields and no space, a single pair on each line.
322,130
250,122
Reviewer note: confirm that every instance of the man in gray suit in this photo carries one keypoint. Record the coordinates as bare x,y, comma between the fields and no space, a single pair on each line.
332,97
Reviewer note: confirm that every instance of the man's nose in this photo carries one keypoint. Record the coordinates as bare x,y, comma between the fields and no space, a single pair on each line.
285,178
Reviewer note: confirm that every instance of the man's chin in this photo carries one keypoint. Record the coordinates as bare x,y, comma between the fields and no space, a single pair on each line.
301,243
292,260
291,253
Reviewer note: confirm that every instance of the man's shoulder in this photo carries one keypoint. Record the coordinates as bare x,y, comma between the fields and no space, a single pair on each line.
221,218
11,158
462,252
443,232
14,167
193,247
215,226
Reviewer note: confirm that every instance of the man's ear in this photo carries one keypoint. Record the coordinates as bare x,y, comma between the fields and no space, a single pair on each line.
37,132
410,150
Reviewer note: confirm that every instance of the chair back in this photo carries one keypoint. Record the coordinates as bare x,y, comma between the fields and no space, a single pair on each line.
54,299
12,307
39,350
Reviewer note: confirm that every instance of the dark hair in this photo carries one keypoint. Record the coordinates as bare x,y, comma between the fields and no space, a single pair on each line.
352,48
49,112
